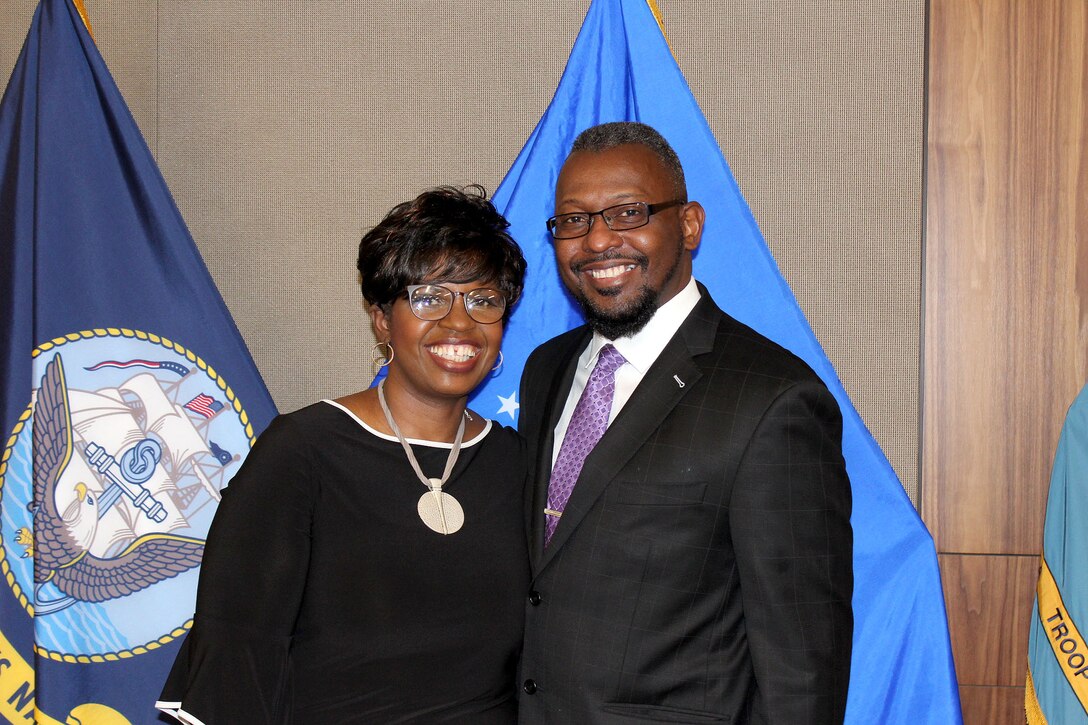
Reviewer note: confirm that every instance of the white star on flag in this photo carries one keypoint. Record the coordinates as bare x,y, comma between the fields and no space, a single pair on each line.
509,405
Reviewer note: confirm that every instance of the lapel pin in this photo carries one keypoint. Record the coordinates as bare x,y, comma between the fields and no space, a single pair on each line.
678,380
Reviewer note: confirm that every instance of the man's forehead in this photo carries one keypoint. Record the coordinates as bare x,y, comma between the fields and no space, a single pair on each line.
631,169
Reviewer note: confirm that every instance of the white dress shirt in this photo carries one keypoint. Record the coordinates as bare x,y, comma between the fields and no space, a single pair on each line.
639,350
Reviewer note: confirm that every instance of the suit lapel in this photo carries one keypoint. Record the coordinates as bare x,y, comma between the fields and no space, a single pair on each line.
566,361
665,384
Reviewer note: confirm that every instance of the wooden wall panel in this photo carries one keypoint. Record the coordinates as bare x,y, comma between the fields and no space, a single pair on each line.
1005,343
992,705
989,606
1005,321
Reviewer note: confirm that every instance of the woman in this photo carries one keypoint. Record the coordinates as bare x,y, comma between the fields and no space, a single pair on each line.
368,562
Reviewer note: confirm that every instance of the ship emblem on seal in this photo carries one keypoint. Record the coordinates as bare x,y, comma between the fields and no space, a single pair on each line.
108,487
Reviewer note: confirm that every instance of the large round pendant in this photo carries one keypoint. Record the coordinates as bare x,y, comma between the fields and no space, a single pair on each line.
441,512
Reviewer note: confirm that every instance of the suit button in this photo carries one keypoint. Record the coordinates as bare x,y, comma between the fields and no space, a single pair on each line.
529,687
534,598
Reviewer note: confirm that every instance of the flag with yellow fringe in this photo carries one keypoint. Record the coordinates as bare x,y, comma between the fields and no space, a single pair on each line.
1057,679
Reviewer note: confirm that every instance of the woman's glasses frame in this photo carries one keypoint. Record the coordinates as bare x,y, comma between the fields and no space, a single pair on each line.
432,302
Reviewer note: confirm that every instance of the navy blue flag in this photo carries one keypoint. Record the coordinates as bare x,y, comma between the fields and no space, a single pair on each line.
128,396
620,69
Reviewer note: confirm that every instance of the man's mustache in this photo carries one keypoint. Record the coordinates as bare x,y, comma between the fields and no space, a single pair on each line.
640,260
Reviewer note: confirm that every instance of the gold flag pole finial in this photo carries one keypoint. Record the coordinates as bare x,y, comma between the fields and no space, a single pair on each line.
87,21
660,23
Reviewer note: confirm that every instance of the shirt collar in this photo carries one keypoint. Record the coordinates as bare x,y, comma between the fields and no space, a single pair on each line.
643,348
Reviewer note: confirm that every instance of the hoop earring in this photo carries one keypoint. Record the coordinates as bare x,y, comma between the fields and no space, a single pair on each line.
498,366
375,353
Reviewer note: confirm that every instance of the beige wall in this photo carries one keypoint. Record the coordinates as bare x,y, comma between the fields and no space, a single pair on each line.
285,129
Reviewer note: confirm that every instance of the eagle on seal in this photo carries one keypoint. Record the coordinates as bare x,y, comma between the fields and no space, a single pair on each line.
62,537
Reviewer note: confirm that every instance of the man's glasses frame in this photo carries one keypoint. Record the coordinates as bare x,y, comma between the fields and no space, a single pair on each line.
618,218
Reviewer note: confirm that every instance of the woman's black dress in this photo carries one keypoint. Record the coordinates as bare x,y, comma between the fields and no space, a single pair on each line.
324,598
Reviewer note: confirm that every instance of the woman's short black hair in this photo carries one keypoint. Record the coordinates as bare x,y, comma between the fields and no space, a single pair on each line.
449,234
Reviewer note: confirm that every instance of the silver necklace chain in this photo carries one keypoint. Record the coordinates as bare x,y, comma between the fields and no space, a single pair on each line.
451,459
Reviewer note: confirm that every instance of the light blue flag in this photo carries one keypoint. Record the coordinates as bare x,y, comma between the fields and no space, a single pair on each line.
620,69
1057,687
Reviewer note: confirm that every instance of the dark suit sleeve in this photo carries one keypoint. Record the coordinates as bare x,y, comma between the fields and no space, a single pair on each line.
790,523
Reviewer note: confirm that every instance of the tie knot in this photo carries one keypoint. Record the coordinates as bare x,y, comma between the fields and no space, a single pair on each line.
609,359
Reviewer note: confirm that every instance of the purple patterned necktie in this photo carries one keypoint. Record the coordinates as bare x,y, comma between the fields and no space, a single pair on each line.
587,425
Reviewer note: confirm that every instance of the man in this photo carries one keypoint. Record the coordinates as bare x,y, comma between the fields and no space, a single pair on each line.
694,563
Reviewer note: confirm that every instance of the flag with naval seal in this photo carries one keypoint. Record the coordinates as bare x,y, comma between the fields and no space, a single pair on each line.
621,69
128,396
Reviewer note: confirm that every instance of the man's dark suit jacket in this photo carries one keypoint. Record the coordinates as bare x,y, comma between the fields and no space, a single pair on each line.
702,570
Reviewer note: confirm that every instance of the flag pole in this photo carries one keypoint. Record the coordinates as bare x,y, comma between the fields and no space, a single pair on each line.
657,16
87,21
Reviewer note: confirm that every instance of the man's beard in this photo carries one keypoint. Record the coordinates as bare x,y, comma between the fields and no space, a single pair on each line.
614,324
622,323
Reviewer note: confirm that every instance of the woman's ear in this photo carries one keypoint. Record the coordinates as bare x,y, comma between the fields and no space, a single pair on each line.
380,319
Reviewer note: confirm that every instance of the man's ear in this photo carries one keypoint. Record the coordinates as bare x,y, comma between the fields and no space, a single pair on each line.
692,217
